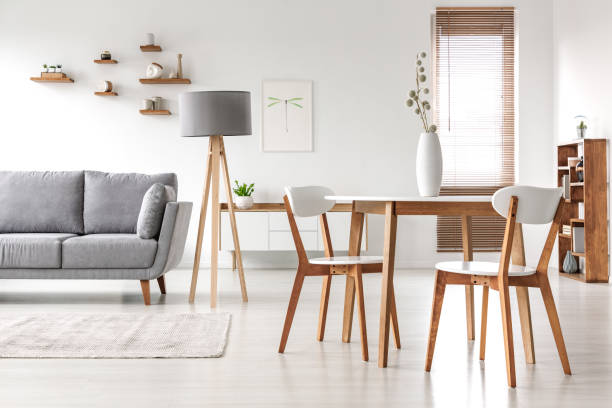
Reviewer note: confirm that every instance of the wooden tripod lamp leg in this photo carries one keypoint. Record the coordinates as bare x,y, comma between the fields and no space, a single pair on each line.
216,215
232,217
198,249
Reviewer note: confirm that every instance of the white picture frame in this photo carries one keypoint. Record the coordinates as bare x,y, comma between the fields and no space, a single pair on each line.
286,116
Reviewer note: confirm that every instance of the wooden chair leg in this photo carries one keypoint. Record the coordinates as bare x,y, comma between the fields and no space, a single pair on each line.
146,291
349,304
555,325
483,321
293,300
394,323
323,307
361,312
436,309
161,281
504,297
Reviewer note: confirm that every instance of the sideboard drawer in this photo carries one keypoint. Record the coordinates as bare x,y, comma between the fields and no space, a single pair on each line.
283,241
279,222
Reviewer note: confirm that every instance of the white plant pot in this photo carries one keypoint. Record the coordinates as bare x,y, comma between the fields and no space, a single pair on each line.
429,165
244,202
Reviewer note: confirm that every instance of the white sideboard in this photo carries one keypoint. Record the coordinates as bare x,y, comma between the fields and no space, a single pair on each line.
269,231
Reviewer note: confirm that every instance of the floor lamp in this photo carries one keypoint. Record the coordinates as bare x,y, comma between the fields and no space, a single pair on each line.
215,114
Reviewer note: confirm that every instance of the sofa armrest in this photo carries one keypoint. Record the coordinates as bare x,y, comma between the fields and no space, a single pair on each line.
172,238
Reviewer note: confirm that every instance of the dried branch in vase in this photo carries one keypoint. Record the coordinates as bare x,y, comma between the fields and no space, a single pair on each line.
416,97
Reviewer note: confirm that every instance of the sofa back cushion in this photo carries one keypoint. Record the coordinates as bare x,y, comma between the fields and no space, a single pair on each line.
112,200
41,201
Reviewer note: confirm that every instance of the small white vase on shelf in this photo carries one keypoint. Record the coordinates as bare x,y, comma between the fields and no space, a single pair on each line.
243,202
429,165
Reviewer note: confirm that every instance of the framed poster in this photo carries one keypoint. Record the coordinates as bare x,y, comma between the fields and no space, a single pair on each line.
286,116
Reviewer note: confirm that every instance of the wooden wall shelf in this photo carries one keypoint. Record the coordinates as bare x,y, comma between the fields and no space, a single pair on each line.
155,112
64,80
150,48
111,61
106,93
591,195
165,81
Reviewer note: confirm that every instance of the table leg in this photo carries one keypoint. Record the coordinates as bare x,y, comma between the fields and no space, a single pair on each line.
387,282
468,255
349,294
522,295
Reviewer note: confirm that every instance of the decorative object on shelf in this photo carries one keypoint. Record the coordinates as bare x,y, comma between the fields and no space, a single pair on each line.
179,66
172,74
215,114
578,239
105,86
169,81
147,104
287,116
569,263
157,102
154,112
581,126
429,152
244,199
58,68
149,39
45,68
565,183
154,71
105,56
580,170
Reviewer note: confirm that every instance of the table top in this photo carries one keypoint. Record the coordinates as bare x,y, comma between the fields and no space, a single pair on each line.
457,198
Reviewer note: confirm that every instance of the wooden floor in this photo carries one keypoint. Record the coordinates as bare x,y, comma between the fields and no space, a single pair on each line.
327,374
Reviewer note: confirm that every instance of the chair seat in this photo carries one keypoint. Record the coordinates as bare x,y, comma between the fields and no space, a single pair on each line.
347,260
483,268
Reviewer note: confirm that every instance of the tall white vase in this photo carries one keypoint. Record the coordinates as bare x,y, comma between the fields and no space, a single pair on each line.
429,165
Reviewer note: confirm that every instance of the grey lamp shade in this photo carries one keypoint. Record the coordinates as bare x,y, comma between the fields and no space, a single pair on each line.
210,113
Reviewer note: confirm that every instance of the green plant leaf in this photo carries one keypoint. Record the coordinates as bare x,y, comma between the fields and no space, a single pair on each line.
273,98
294,99
297,104
272,104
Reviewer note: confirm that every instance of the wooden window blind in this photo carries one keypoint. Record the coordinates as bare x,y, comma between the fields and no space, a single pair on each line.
474,91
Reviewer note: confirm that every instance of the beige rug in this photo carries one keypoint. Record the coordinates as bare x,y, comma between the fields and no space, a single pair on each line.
113,335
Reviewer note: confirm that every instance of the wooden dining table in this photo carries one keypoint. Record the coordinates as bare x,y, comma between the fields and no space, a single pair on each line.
465,207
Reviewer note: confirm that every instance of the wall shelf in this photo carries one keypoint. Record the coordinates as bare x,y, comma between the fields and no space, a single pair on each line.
63,80
154,112
150,48
165,81
106,93
99,61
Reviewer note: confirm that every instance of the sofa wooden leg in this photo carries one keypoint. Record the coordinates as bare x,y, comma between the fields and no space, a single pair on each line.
162,284
146,291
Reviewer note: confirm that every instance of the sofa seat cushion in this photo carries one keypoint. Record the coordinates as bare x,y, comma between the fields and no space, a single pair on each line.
32,250
108,251
112,201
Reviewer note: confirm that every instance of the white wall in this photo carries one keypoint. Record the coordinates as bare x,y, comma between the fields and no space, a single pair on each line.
358,53
582,61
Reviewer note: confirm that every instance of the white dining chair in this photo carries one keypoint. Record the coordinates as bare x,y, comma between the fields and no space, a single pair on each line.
519,204
309,202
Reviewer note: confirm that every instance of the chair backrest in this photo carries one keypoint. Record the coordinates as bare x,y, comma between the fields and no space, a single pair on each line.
536,205
309,201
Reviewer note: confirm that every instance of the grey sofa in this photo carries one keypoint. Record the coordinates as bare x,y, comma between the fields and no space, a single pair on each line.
82,225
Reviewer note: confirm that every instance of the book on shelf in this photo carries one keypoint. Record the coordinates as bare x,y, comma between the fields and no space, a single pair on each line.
565,182
578,239
566,229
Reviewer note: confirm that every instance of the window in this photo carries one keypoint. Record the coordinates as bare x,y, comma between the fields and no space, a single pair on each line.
474,80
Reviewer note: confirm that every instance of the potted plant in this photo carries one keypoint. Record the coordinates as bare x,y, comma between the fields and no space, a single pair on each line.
45,68
58,68
51,68
581,129
429,152
244,200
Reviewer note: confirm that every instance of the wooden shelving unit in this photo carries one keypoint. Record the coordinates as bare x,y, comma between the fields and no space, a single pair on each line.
106,93
63,80
100,61
150,48
165,81
155,112
592,194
